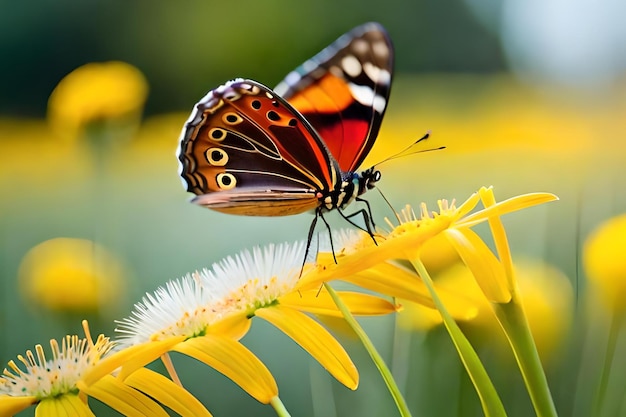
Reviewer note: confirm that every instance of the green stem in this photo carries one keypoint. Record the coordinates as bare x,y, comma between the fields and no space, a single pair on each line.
279,407
369,346
616,324
513,321
489,399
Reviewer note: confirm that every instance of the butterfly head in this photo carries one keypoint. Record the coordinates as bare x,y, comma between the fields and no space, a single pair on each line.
368,179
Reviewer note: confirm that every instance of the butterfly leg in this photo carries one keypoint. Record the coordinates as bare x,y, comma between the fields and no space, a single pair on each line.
318,215
330,235
369,211
308,240
369,224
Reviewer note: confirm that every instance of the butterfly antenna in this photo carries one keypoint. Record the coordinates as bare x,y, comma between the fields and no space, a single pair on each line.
395,213
410,150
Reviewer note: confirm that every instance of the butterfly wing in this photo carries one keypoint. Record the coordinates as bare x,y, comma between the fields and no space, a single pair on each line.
343,92
244,150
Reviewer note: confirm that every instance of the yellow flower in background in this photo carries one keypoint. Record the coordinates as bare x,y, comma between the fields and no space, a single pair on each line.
604,259
70,275
96,93
548,299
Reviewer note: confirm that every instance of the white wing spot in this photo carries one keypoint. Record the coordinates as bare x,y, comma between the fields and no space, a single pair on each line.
360,46
363,94
231,95
372,71
379,104
376,74
385,77
366,96
351,65
381,50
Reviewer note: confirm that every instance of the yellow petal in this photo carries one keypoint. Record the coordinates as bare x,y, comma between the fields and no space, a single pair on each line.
516,203
487,270
235,361
396,281
131,358
392,280
316,340
50,407
68,405
13,405
119,396
438,254
468,205
234,326
150,352
405,242
320,302
499,239
166,392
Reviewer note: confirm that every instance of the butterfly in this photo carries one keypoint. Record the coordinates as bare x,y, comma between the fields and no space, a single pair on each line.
249,150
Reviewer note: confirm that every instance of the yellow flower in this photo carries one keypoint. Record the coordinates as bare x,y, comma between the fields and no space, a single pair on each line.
203,315
605,262
55,386
70,275
97,92
50,382
493,274
407,240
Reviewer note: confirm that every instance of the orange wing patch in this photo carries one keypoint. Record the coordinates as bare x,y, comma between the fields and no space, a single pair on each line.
329,94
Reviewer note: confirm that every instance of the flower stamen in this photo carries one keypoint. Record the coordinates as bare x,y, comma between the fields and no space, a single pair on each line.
43,378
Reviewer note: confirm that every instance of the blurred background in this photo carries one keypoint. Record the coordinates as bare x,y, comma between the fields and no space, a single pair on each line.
525,96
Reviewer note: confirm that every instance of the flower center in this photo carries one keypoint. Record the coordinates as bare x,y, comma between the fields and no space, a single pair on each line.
43,378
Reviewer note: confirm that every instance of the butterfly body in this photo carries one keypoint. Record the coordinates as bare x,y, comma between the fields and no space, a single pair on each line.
250,150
